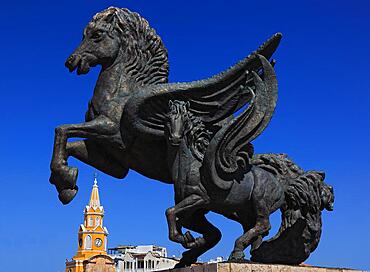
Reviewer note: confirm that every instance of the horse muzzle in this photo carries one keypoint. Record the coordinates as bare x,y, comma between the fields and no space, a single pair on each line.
72,62
81,62
175,141
330,206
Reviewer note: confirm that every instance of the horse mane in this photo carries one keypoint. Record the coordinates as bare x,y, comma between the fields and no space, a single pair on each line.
300,229
279,165
198,136
303,188
147,59
304,192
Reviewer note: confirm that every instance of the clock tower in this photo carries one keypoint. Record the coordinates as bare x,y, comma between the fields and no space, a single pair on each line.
92,235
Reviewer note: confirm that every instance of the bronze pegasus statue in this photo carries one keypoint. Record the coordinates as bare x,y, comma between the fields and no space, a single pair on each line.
196,135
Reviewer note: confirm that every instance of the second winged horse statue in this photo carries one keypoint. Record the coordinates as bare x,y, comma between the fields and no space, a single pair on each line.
127,127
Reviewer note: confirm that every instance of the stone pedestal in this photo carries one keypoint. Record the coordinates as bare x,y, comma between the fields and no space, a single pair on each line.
251,267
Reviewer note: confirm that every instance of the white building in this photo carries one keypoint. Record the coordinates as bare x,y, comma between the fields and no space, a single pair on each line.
216,260
141,258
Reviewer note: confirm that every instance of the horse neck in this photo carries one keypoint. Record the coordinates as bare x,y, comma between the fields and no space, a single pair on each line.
179,153
180,160
172,153
113,82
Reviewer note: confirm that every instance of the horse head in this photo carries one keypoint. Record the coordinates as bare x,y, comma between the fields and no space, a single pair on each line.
118,35
178,121
182,124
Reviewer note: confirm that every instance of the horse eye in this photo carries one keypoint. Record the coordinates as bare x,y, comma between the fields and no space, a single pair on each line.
96,35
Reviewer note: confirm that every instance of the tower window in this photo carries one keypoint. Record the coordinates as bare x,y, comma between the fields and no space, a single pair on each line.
97,221
91,221
88,242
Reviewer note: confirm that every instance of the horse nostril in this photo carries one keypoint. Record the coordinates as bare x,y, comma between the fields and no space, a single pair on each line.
69,60
72,62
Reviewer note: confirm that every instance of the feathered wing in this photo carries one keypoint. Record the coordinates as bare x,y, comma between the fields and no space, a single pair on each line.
213,99
227,156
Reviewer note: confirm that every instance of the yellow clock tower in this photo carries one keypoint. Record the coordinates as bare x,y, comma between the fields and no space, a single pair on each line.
92,238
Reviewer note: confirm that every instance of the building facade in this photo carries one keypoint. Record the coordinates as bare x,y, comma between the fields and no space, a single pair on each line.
92,240
141,258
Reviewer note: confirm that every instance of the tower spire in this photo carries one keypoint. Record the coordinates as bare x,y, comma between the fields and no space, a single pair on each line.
92,235
94,198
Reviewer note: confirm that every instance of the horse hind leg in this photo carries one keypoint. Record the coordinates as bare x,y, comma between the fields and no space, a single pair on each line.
252,236
256,242
211,236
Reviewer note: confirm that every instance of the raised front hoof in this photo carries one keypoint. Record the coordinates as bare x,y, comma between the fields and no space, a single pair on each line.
237,256
197,243
67,195
64,177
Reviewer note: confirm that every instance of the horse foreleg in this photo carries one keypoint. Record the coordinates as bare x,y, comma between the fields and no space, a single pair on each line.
91,153
187,205
211,236
63,176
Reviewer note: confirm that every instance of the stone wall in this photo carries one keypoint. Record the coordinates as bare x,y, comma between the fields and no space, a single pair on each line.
99,264
250,267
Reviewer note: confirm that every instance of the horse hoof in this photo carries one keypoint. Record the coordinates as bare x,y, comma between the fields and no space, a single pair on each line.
179,265
182,264
237,256
197,243
64,177
66,195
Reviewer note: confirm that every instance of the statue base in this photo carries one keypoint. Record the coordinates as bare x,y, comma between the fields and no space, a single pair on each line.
254,267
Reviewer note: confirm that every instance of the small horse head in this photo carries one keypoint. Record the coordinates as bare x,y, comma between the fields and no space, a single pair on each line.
178,121
119,35
182,124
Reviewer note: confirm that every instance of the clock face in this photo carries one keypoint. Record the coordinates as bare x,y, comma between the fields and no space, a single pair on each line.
98,242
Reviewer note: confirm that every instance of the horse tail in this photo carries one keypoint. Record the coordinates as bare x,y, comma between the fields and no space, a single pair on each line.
300,229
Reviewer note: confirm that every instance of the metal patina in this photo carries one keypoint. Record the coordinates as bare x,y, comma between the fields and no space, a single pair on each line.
189,135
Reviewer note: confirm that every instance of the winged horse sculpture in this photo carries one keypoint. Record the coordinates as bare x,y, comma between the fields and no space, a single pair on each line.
127,120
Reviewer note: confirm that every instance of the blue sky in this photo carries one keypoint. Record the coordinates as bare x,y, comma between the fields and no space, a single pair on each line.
321,121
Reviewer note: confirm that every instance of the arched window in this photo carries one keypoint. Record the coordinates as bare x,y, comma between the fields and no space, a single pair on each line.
88,242
90,221
97,221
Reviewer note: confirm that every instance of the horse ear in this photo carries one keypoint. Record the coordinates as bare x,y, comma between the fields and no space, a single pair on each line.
321,174
110,18
187,105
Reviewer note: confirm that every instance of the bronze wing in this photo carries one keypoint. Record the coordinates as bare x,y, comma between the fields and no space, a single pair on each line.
213,99
226,159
